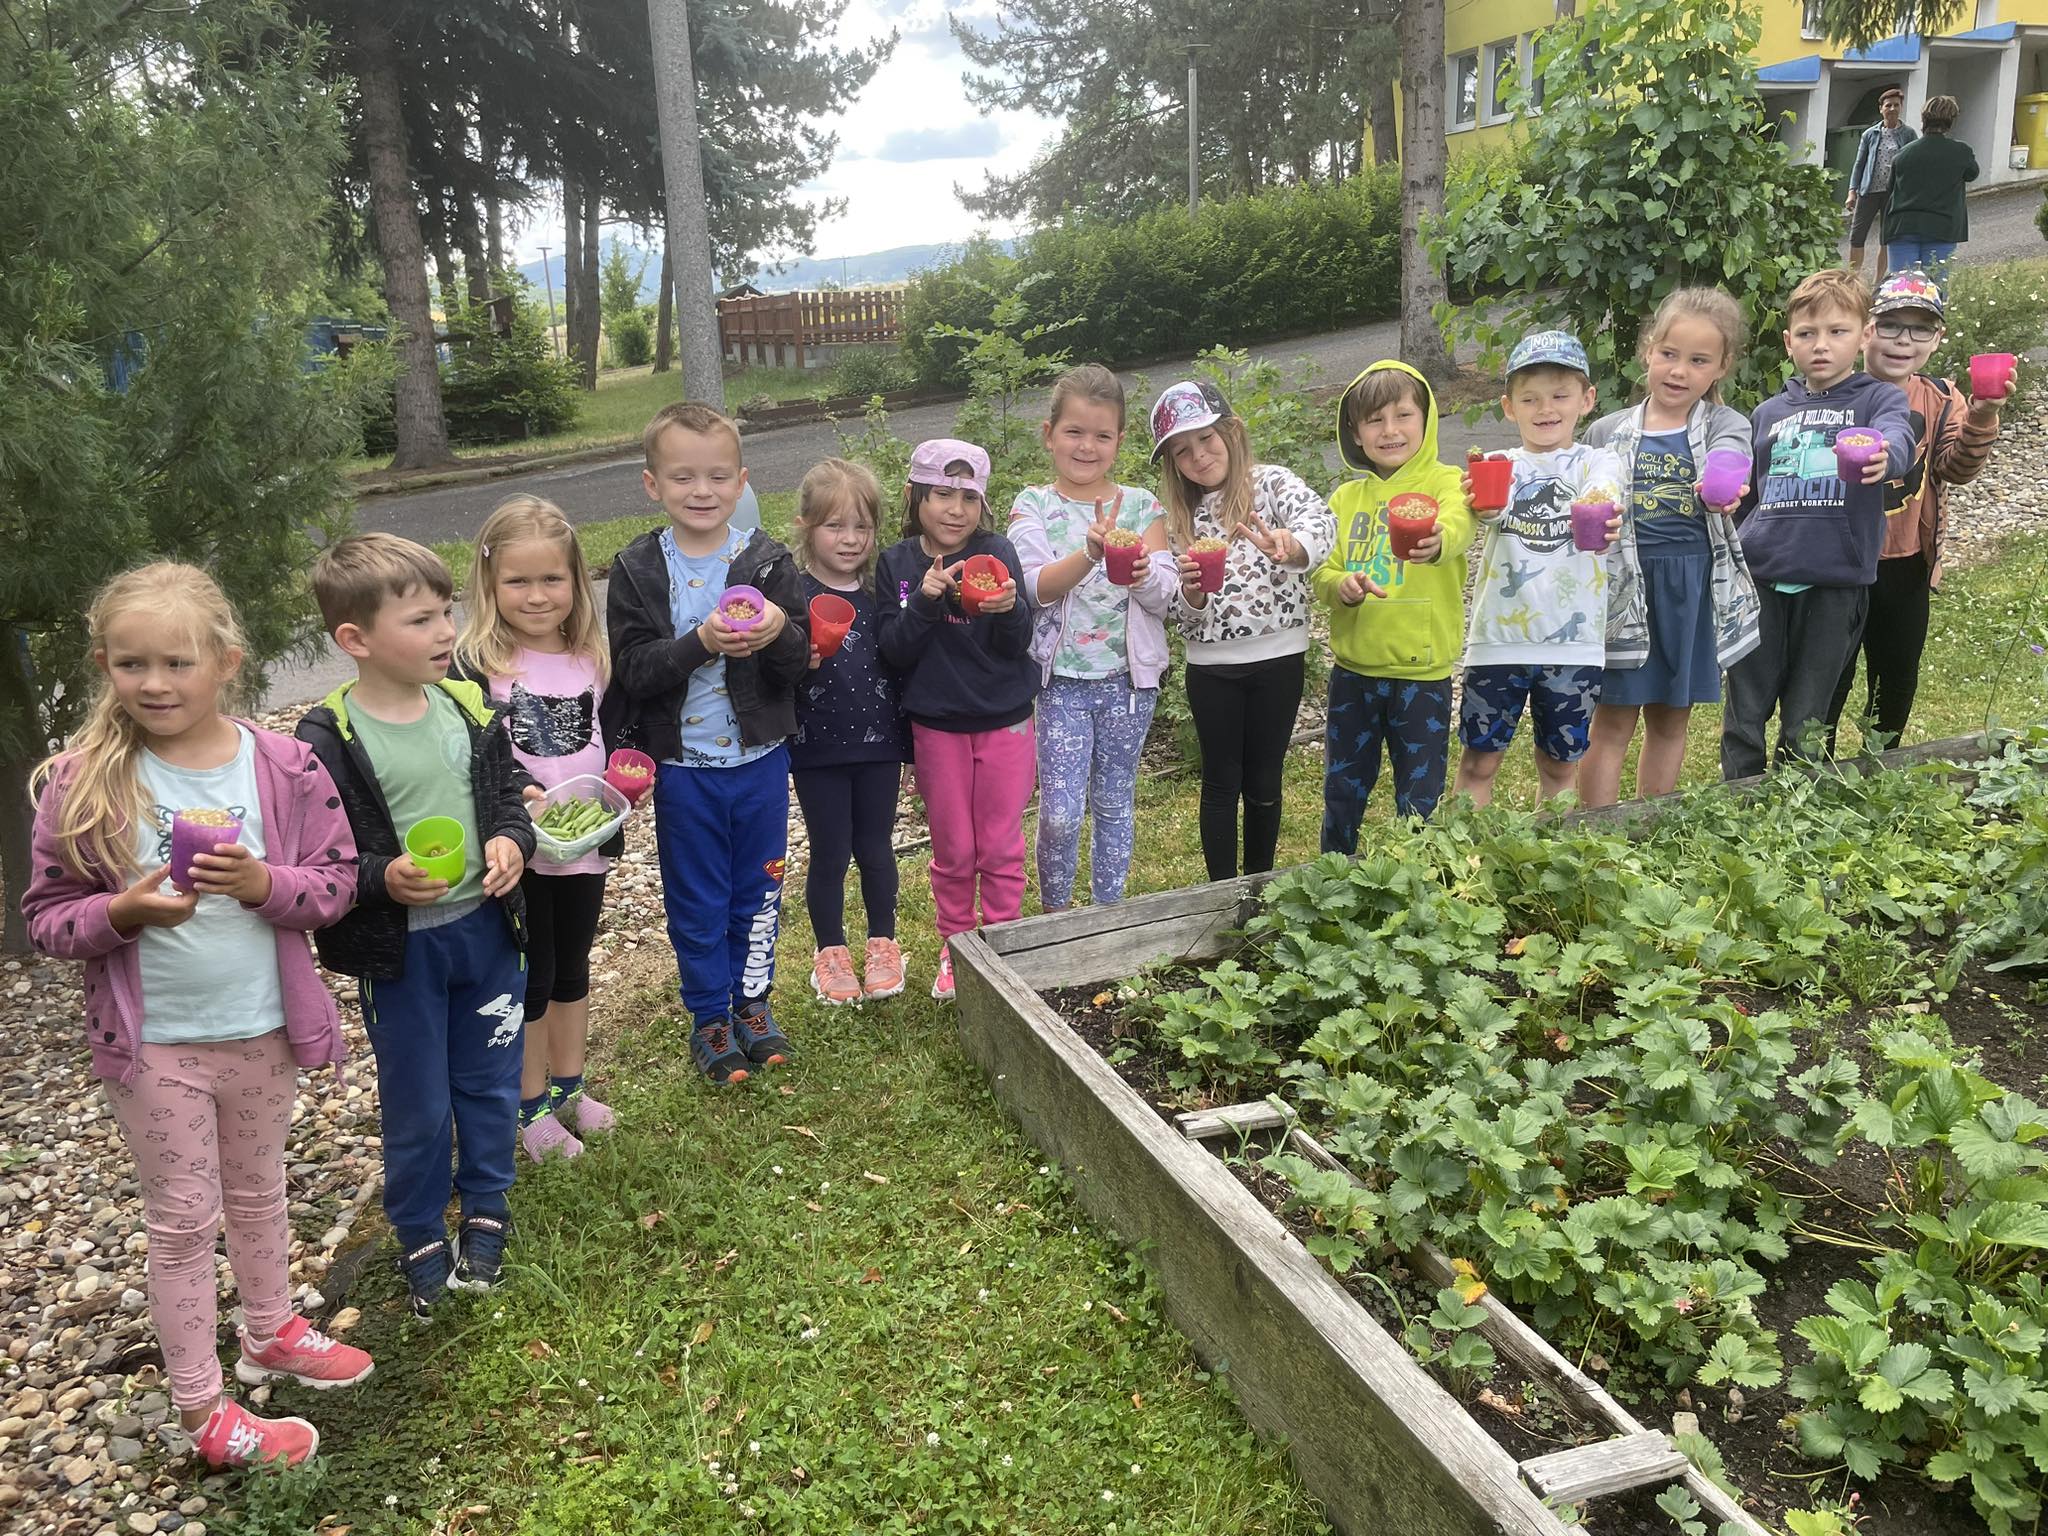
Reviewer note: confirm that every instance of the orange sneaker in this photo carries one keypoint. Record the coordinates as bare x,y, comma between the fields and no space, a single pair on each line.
883,973
301,1353
832,976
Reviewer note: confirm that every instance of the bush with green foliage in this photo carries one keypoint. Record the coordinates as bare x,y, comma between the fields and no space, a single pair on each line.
865,371
1653,172
630,336
628,327
1994,309
496,388
1291,260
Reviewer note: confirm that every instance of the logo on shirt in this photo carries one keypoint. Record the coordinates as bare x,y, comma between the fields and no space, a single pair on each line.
1540,515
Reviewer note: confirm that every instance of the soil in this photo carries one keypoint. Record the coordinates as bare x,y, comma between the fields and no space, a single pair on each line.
1997,1017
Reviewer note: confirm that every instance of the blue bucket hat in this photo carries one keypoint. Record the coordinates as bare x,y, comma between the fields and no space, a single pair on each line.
1552,349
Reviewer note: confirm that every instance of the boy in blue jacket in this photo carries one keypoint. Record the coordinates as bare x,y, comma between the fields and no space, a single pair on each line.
1811,538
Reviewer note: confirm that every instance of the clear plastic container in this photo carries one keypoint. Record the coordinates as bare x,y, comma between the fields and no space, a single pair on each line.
550,849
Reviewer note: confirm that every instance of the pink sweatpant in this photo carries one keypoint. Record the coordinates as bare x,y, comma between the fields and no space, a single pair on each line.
206,1125
975,787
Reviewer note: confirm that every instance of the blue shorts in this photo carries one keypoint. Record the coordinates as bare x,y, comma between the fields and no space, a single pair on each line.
1560,699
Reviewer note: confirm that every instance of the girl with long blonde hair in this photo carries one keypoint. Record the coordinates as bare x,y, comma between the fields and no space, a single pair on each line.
184,855
532,641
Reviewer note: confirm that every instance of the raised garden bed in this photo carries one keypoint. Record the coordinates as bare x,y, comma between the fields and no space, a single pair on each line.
1820,1026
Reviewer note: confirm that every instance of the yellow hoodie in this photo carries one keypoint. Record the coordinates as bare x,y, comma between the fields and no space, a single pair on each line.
1418,629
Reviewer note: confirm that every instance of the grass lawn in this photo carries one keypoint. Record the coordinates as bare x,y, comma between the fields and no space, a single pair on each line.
624,400
602,541
849,1296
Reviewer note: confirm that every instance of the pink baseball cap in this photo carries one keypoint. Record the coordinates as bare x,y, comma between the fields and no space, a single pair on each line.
929,459
1185,407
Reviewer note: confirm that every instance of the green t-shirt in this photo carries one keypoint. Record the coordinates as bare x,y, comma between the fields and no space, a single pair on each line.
423,769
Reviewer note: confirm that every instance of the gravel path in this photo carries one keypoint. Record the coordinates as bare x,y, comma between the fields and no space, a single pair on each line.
82,1397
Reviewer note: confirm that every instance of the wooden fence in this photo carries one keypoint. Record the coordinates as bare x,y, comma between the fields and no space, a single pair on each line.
778,328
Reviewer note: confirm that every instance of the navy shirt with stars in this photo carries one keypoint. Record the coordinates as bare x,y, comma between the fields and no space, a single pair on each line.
847,709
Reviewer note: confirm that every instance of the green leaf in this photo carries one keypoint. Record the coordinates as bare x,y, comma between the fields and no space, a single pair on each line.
2013,1225
1949,1466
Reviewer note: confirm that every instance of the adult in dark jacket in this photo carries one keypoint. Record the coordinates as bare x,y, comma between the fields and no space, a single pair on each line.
1929,214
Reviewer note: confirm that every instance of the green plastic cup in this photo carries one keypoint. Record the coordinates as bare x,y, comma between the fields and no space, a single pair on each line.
436,846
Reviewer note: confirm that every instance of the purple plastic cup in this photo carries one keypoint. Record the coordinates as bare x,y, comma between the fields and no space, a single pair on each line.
1727,473
198,831
1589,525
1854,449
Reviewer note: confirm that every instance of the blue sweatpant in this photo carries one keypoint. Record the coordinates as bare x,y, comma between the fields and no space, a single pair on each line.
1090,733
446,1036
1410,720
723,834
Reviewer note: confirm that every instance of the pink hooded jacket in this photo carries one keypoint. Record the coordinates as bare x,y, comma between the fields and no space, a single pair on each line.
312,858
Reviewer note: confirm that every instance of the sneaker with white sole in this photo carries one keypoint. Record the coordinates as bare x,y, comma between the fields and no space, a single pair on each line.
302,1353
942,983
235,1437
882,976
426,1275
832,976
479,1252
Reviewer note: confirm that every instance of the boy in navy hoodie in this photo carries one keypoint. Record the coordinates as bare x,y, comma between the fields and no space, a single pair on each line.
1811,538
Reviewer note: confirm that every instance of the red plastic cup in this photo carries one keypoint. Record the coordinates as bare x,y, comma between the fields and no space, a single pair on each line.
742,594
1209,556
831,618
191,837
974,589
1589,525
1991,375
1120,561
1411,518
1854,449
1727,473
1490,480
630,773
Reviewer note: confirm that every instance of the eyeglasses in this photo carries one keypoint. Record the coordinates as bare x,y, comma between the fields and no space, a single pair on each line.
1892,330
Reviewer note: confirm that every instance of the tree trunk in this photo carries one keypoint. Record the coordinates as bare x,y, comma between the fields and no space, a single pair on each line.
572,257
1422,184
17,761
665,314
477,282
418,422
494,225
588,309
689,233
1381,112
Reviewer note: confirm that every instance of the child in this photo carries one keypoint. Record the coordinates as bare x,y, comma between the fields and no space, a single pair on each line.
532,641
1811,538
1539,612
202,1003
1681,606
968,683
851,743
713,702
441,963
1246,642
1953,437
1391,685
1100,647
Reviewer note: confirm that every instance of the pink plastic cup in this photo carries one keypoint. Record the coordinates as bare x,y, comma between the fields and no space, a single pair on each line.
1208,557
831,618
1991,375
1727,473
746,597
630,773
1490,481
190,838
1589,525
1854,449
1120,561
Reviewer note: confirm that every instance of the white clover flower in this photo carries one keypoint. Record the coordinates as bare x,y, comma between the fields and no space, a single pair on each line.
1136,1469
1004,1406
714,1466
1087,1306
391,1501
600,1397
982,1294
498,1316
1108,1497
747,1510
1042,1168
824,1186
754,1447
777,1168
1006,1461
582,1381
931,1438
731,1487
808,1333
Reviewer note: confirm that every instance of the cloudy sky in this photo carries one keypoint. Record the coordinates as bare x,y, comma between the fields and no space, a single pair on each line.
903,144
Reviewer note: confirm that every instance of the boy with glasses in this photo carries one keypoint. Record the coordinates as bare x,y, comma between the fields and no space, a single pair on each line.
1954,435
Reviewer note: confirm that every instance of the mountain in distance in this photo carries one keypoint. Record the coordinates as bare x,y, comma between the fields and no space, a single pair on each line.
875,269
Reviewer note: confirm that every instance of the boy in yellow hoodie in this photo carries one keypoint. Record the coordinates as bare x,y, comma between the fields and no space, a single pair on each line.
1391,686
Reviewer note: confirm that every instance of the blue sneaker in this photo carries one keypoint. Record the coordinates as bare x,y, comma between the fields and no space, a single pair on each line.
479,1252
426,1276
765,1045
717,1054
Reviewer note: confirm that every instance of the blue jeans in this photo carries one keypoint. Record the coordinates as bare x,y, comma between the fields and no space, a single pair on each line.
447,1038
1410,721
722,835
1930,256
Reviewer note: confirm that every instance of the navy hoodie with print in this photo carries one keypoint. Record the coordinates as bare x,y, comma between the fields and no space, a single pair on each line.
1802,523
959,673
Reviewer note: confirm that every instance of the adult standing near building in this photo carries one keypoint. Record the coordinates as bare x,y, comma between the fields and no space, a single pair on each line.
1870,181
1928,216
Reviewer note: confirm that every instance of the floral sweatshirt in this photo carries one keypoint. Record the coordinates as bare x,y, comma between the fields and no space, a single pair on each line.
1262,611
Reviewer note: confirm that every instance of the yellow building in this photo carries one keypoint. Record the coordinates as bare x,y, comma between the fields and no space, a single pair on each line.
1828,93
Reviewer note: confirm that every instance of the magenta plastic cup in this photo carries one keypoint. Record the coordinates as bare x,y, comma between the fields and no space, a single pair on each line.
198,831
1120,560
1208,556
1991,375
742,607
1589,525
1727,473
1854,449
630,773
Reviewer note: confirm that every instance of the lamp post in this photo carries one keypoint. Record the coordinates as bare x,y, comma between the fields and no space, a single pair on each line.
1194,137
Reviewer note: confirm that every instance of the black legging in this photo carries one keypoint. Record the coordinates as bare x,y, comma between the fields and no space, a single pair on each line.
561,924
850,815
1243,720
1894,637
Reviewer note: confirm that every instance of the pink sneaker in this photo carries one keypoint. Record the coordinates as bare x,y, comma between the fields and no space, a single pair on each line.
544,1137
942,983
590,1116
235,1437
304,1354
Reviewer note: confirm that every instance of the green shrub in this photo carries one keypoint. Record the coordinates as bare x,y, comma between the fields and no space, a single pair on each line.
1994,309
631,335
1290,260
866,371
